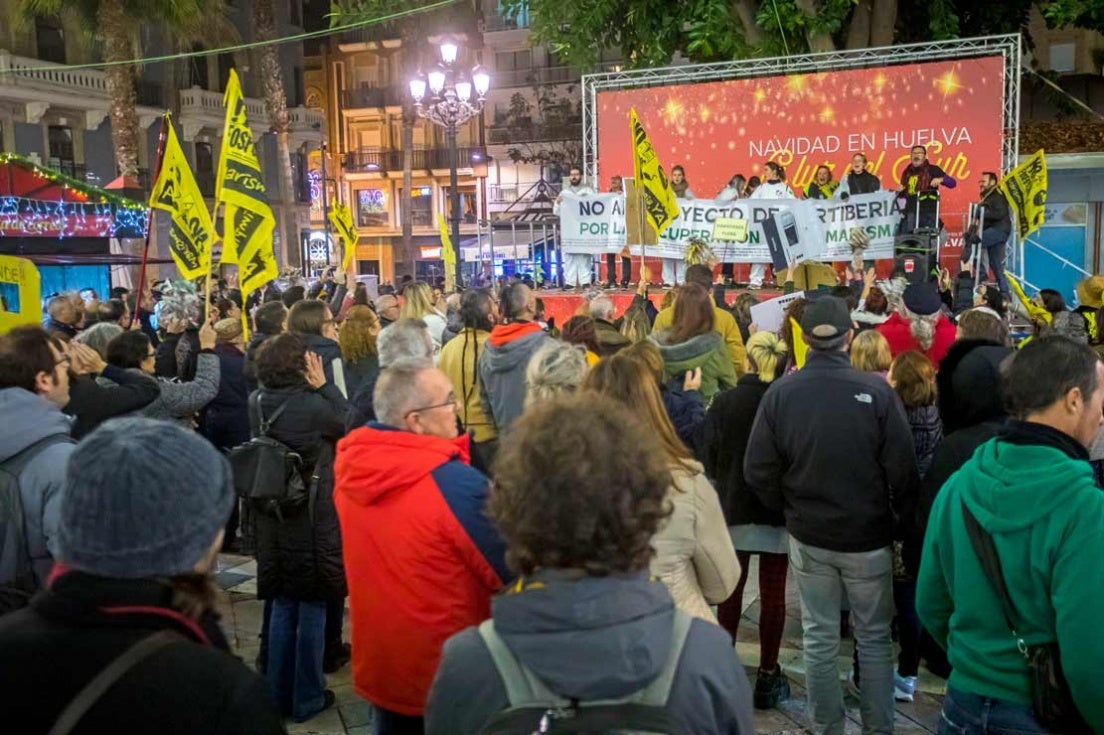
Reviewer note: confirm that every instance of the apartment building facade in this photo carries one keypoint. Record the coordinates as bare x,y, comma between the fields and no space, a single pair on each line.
59,116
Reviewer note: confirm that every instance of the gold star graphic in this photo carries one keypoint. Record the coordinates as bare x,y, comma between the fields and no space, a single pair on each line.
948,84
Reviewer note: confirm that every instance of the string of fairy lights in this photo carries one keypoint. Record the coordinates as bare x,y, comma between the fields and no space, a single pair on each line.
102,214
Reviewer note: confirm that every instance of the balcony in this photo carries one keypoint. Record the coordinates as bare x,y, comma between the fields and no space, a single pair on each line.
372,97
379,160
40,85
496,22
535,76
201,108
502,134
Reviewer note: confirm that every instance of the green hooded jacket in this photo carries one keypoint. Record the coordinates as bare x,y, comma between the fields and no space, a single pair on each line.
706,351
1046,517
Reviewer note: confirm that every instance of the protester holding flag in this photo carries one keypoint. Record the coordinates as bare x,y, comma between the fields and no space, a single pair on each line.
659,206
247,218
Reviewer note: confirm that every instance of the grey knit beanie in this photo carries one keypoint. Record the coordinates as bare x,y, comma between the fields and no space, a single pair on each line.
142,498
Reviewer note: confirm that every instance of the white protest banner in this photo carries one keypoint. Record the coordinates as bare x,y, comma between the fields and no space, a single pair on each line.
767,315
781,230
878,214
593,224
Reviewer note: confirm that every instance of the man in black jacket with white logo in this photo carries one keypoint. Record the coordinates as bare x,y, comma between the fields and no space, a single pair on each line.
832,449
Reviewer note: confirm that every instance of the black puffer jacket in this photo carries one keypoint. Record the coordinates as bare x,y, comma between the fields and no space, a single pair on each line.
299,557
723,446
53,648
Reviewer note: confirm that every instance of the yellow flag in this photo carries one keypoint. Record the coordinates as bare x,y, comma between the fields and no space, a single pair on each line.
448,253
176,192
1026,189
341,219
659,199
247,220
800,346
1036,312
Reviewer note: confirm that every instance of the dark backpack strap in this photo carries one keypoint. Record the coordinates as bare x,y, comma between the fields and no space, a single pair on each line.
78,707
257,413
986,551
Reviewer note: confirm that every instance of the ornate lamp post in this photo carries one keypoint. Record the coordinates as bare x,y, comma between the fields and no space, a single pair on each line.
449,97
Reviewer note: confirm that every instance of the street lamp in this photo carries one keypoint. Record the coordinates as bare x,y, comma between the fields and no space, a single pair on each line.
449,96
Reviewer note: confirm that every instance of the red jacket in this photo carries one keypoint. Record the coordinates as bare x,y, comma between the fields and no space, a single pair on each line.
898,332
421,558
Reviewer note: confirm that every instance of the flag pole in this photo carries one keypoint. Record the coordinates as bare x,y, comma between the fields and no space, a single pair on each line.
149,222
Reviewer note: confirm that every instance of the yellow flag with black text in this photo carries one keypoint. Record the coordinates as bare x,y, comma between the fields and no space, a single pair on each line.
659,199
191,233
247,220
448,253
341,219
1026,189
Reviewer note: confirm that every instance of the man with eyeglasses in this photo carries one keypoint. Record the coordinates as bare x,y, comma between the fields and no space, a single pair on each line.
421,558
34,450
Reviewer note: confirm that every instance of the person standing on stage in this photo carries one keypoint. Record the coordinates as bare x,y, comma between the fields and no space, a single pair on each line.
996,227
735,189
576,269
920,182
681,187
858,180
617,187
773,187
823,186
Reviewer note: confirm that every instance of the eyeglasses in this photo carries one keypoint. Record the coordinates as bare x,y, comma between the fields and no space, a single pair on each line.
450,401
151,355
64,360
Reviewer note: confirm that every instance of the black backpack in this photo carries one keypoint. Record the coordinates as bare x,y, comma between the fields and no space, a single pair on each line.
17,579
268,474
534,708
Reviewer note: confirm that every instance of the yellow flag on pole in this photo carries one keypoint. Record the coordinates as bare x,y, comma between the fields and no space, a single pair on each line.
659,199
341,219
191,233
800,346
247,220
1026,189
448,253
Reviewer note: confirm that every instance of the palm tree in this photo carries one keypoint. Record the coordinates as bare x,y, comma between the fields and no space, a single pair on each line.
118,24
272,80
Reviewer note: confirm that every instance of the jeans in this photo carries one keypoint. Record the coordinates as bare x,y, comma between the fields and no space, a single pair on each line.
908,627
386,722
970,714
297,639
576,269
335,619
611,269
672,269
822,576
994,241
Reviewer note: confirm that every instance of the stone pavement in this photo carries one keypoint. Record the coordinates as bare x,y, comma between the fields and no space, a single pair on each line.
242,614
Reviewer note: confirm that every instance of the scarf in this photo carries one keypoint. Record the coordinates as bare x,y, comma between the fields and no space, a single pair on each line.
680,189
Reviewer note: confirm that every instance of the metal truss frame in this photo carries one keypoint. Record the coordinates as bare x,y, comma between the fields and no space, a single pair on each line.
1008,46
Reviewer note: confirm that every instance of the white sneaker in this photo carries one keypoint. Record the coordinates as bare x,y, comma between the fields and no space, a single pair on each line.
904,687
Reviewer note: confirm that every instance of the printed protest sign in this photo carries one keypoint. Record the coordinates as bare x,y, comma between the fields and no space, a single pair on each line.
592,224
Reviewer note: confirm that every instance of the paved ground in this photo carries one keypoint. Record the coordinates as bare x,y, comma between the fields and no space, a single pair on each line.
242,614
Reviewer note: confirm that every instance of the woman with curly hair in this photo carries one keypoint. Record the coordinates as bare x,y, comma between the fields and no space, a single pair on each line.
584,618
359,355
694,554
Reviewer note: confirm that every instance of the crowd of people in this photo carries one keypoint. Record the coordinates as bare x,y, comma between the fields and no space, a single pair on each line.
529,524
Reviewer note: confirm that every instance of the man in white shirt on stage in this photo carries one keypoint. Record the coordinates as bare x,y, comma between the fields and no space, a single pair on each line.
577,266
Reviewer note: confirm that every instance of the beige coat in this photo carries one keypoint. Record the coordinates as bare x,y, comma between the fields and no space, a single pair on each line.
694,554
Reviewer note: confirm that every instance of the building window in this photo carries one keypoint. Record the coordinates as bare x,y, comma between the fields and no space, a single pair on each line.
297,80
60,139
50,40
1063,57
225,64
421,206
372,210
513,60
205,168
295,12
520,17
468,205
197,70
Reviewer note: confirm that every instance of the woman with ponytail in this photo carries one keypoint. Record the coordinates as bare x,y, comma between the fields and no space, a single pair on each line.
754,528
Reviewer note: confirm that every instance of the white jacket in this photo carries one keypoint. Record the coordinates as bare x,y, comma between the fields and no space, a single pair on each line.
577,191
773,190
694,554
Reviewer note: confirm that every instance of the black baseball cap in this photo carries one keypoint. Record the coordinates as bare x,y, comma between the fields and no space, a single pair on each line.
826,318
